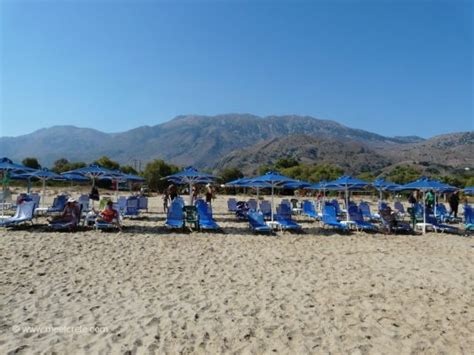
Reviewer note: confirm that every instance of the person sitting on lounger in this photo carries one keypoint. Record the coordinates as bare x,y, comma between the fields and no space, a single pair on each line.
70,214
109,214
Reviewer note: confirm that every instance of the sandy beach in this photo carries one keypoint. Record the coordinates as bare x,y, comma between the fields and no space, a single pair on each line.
148,290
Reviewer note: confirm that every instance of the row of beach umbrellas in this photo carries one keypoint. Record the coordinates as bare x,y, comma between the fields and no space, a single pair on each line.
272,180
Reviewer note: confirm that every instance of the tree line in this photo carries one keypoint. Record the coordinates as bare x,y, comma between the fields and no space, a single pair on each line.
156,170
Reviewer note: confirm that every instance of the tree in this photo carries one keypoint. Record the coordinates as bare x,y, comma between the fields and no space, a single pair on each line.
31,163
230,174
285,163
403,174
107,163
154,173
127,169
326,172
60,166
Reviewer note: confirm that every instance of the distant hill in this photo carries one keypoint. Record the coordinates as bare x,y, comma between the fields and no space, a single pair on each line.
210,141
455,149
352,156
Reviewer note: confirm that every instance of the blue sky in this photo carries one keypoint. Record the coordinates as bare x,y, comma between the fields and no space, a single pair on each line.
390,67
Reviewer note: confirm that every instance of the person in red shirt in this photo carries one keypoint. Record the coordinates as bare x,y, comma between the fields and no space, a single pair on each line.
109,214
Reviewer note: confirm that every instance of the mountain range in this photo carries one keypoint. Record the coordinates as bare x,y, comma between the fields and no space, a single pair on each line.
244,141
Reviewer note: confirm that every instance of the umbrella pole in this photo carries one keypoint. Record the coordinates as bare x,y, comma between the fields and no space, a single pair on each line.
190,193
257,198
424,212
272,203
347,204
44,192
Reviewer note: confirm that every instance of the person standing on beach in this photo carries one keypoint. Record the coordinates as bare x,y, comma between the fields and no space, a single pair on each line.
172,192
166,198
454,203
209,194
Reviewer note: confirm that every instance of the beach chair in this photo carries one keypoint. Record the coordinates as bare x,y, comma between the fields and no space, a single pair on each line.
355,215
143,203
398,206
309,209
468,218
337,207
266,208
116,224
69,226
286,202
296,206
443,215
6,201
205,216
283,216
24,213
231,204
440,227
121,204
366,213
83,201
242,210
131,207
191,217
257,222
252,204
391,224
175,215
59,203
329,218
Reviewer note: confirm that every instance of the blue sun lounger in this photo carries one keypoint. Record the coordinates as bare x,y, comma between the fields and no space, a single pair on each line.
355,215
329,218
175,216
24,213
468,218
257,223
283,217
366,213
440,226
70,226
309,209
205,216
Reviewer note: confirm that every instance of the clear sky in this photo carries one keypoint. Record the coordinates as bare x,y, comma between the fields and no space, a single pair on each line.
390,67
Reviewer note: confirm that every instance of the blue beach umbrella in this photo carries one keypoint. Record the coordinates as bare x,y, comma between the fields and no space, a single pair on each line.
296,184
190,176
382,185
424,184
469,190
273,179
43,175
74,177
8,165
348,183
92,171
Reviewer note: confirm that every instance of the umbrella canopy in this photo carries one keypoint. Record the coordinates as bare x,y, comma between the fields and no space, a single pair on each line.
273,179
348,183
296,184
190,176
383,185
237,182
469,190
43,175
92,171
74,177
8,165
424,184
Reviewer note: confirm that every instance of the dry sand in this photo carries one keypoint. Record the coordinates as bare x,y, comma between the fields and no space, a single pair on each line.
161,292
